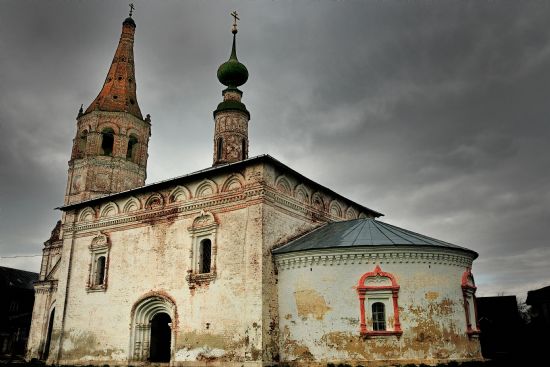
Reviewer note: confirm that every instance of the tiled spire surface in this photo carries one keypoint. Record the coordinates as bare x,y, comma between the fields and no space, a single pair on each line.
119,90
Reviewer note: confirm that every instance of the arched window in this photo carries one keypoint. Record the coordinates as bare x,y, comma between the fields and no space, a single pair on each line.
107,141
202,266
131,152
220,148
205,256
100,271
243,148
378,316
98,268
378,307
82,140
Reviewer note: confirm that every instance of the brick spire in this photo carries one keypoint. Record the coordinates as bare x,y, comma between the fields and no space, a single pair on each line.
119,90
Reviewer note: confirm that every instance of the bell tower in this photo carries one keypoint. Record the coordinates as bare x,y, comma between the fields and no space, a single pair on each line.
110,147
231,117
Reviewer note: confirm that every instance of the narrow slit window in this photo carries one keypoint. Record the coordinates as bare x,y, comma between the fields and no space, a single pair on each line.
205,256
243,147
220,148
100,271
378,316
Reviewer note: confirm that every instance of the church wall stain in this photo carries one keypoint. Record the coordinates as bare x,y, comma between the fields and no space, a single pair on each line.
431,313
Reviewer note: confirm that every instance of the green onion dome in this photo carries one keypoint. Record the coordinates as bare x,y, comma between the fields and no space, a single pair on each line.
232,73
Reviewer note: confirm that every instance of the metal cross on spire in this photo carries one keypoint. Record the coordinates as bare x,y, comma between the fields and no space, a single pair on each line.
235,18
132,7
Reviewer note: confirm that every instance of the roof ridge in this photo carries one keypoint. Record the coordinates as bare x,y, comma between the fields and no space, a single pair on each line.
353,227
421,236
376,225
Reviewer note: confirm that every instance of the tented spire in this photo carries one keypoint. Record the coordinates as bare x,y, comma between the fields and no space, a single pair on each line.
119,90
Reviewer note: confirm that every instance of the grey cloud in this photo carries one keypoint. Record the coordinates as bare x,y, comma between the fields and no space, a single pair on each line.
434,113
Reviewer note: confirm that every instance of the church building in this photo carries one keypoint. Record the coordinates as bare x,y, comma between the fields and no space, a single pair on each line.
245,263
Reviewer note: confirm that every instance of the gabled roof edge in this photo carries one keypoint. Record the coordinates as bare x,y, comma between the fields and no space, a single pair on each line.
220,168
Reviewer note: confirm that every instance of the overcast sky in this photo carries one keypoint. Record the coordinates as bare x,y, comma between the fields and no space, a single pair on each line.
435,113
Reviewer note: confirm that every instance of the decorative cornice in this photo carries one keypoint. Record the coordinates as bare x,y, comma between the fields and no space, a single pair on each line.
290,203
183,207
45,286
371,255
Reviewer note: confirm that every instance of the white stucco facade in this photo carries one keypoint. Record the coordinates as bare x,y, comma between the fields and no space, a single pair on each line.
183,271
320,316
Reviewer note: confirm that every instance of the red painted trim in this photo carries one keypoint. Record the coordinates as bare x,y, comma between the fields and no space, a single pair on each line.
362,290
382,333
469,291
377,272
467,274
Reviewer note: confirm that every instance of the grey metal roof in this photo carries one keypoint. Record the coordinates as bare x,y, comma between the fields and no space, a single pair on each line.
362,233
15,278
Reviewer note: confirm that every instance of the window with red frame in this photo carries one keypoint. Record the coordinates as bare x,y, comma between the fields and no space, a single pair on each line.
470,303
378,304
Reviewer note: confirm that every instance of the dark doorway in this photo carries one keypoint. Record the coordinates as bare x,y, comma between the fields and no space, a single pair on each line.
48,337
160,338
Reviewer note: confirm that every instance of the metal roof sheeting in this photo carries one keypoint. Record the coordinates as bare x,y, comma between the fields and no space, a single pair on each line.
362,233
15,278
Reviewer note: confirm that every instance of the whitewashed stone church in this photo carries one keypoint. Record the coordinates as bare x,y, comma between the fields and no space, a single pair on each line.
245,263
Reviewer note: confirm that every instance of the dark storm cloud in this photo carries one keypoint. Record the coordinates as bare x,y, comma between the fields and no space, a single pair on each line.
434,113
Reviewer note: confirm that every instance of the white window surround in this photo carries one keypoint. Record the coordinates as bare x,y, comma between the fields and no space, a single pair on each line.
99,247
204,227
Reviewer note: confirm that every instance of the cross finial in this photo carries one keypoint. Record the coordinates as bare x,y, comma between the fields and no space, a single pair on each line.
132,7
235,18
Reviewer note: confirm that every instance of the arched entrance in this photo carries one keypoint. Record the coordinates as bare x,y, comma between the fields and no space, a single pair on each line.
48,337
160,338
152,334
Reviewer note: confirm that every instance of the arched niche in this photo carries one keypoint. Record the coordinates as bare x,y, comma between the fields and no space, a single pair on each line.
206,188
317,201
155,201
351,213
86,215
180,193
301,194
283,185
233,182
131,205
108,210
335,209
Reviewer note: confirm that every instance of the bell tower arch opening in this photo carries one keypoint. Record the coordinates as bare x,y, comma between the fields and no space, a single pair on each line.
153,329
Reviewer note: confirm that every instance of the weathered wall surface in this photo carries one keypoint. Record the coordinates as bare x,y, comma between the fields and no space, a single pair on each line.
292,208
217,317
244,311
45,293
44,302
93,174
319,307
